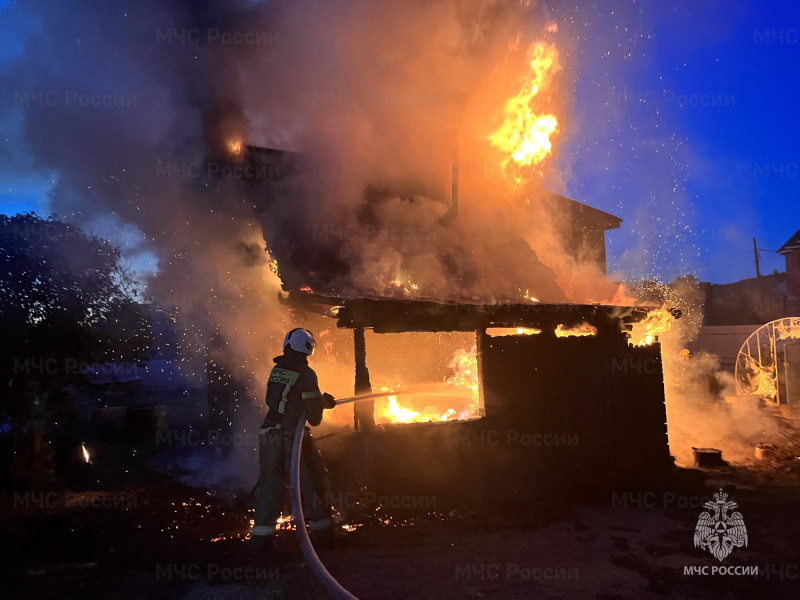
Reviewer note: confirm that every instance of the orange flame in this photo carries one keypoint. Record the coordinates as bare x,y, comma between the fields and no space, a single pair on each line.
504,331
399,413
525,135
582,330
654,324
464,367
405,289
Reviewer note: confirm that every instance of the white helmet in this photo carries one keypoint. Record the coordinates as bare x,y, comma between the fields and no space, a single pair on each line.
301,340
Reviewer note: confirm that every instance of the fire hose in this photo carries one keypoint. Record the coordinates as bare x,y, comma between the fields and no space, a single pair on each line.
333,586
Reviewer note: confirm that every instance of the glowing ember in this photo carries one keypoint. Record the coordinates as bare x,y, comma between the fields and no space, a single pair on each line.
582,330
402,287
530,298
527,295
285,523
525,135
85,454
647,331
235,147
273,266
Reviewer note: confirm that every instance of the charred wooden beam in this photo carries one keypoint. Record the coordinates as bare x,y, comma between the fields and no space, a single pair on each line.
397,316
363,412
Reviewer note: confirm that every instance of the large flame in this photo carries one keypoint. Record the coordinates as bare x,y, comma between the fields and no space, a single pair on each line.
399,413
525,133
463,404
654,324
393,411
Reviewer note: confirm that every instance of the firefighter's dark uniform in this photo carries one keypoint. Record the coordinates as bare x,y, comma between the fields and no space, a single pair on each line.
292,389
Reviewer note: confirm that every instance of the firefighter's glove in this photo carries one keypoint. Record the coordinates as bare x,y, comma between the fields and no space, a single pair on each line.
328,401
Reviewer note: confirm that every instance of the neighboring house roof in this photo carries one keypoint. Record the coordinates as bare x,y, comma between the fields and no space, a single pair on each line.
791,244
583,214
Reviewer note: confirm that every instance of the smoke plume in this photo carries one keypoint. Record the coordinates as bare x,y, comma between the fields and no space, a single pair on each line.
142,115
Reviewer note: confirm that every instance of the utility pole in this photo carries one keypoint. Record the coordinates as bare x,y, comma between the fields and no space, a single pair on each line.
755,250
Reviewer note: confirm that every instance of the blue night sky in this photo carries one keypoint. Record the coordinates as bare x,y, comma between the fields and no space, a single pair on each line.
685,124
699,97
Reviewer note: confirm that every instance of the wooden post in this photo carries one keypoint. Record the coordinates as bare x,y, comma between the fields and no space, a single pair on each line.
363,412
479,356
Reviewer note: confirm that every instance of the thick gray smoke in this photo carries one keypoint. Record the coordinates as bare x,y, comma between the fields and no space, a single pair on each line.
142,105
135,111
378,98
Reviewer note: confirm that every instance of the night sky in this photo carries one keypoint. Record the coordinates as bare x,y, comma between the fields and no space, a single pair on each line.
685,124
696,107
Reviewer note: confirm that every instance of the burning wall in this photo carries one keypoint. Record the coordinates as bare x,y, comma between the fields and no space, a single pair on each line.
605,393
567,400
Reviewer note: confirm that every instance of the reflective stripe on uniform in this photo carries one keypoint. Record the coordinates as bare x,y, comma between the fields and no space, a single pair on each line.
259,530
288,379
311,394
284,399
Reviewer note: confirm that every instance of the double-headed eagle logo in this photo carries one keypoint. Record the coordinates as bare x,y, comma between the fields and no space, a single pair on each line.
721,533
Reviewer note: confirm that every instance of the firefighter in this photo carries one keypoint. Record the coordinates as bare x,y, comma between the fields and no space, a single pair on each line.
291,390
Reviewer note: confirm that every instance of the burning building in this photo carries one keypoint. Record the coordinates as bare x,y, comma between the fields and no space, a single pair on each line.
504,278
535,389
543,379
556,393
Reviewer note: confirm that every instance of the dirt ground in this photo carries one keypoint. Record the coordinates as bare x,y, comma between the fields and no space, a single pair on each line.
160,539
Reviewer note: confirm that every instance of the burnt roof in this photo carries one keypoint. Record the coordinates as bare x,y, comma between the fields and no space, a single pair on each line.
582,214
791,244
390,315
279,192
